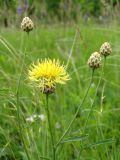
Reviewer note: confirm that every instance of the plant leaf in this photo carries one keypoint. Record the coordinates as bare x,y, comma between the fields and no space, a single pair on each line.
74,139
103,142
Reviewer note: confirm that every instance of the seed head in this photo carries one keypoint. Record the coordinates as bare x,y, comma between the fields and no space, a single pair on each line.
105,49
94,60
27,24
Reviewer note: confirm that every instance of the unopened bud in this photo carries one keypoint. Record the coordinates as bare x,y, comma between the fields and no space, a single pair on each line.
27,24
94,60
105,49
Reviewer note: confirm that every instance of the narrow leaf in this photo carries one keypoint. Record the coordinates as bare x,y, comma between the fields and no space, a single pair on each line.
74,139
103,142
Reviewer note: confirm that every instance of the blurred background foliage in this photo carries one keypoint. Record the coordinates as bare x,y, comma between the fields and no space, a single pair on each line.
61,10
51,41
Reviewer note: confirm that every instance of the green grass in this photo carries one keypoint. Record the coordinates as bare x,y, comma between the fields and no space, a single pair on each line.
103,128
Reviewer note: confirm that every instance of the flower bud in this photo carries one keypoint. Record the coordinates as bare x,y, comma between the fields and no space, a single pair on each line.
48,90
27,24
105,49
94,60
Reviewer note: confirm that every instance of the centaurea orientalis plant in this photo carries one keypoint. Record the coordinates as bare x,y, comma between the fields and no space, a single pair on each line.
45,75
94,63
27,25
105,50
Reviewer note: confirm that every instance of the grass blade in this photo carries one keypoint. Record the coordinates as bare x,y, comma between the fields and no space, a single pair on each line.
103,142
74,139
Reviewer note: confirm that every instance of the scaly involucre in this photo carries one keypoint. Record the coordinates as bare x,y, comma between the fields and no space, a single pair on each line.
46,74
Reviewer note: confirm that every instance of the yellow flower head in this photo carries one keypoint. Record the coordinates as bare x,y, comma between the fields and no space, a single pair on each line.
46,74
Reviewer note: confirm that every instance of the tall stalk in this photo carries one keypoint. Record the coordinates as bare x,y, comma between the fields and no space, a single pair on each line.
92,105
77,111
18,109
49,125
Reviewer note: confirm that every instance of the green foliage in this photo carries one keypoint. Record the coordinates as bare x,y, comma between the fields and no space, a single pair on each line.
63,10
87,7
9,4
53,6
91,7
55,42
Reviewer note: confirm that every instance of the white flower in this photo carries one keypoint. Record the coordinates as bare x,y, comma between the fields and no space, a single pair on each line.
42,117
30,119
34,117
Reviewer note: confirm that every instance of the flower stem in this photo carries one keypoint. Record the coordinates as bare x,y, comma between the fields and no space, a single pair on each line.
77,111
49,124
92,105
18,109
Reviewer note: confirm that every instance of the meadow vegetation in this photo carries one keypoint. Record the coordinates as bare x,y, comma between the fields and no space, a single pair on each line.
93,138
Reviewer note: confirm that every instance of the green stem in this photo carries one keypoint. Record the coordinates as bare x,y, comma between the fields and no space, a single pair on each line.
50,126
18,109
71,51
92,105
66,131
